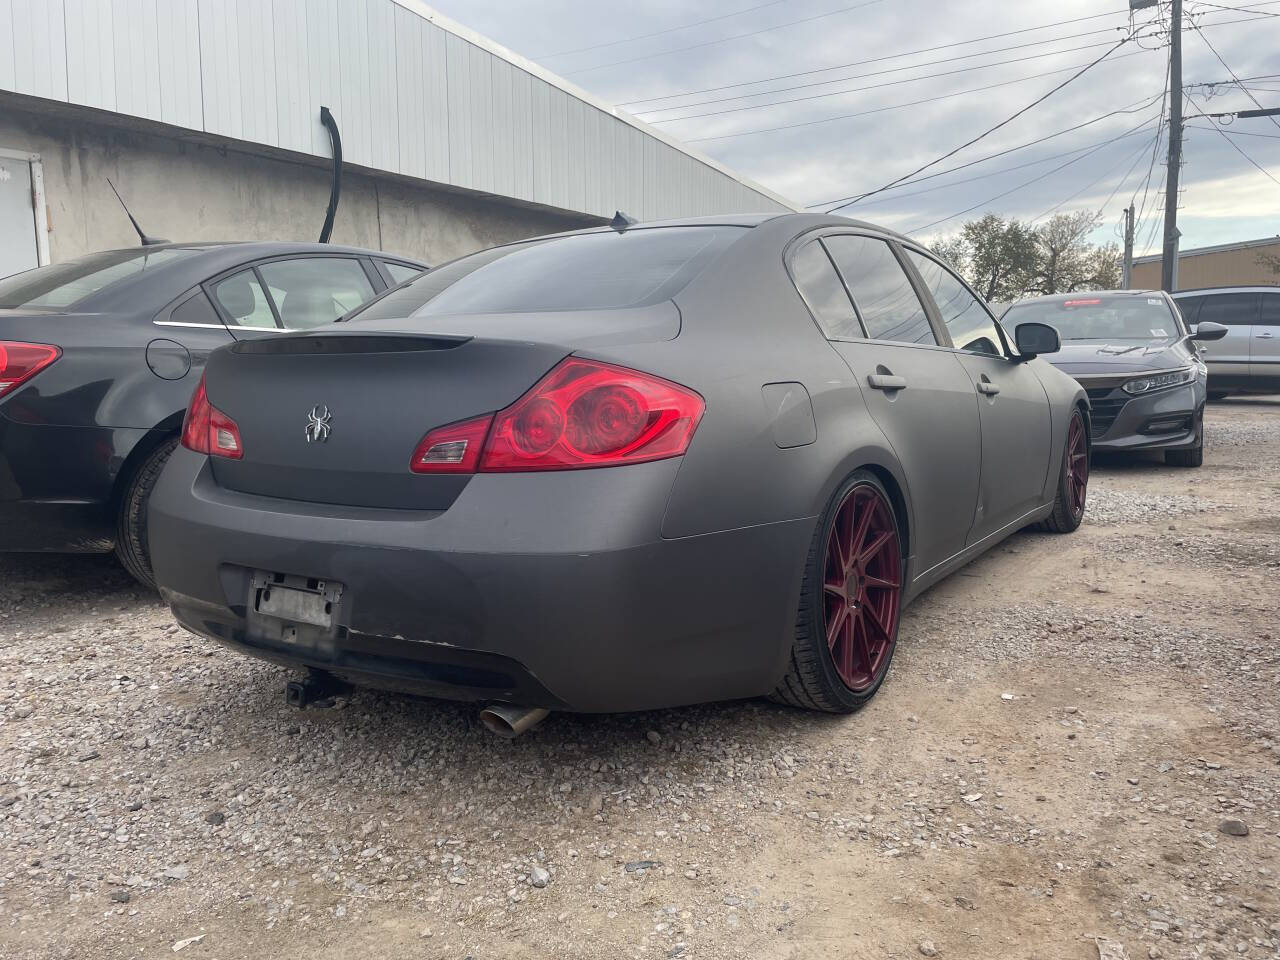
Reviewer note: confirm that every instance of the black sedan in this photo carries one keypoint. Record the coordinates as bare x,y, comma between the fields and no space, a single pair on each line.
1134,355
618,469
99,356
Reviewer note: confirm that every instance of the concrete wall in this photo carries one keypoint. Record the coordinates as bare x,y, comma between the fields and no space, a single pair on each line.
1223,268
183,189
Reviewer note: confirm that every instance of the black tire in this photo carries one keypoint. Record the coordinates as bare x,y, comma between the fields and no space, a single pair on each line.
1192,457
1065,518
811,681
131,524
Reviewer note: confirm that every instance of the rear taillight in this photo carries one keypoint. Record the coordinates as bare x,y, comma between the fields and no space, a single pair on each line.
19,362
208,430
452,449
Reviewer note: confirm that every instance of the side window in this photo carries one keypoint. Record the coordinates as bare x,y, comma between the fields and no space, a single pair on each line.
1232,309
195,309
244,300
820,286
970,325
313,291
881,291
1270,310
400,272
1189,307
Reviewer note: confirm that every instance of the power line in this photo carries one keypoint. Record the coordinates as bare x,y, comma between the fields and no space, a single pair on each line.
1025,183
1239,83
1133,158
659,33
1235,146
1218,6
1128,109
863,63
898,106
1003,170
874,86
1155,149
1234,133
712,43
990,130
878,73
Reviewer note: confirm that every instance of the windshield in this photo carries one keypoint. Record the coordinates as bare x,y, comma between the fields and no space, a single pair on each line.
63,285
593,271
1101,317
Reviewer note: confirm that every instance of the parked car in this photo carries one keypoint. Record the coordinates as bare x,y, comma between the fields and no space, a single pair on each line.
618,469
1141,367
1248,358
99,357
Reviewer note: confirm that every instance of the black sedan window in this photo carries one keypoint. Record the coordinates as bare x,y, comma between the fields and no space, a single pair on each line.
591,271
62,285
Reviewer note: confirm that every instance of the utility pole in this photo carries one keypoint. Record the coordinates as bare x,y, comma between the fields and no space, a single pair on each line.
1128,249
1169,257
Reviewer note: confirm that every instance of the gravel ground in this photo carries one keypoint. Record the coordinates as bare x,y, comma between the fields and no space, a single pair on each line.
1075,737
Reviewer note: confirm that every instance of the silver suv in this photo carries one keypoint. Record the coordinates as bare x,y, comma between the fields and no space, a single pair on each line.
1247,359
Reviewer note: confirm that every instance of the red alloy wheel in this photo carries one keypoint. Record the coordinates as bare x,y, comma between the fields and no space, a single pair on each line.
862,579
1077,464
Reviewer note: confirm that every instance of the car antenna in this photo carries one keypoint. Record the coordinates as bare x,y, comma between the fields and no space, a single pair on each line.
146,241
621,222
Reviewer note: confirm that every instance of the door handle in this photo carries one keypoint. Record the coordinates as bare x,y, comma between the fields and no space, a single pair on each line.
886,381
987,387
1265,336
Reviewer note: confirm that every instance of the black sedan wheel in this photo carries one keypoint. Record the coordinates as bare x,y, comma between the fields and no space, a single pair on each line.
850,602
131,533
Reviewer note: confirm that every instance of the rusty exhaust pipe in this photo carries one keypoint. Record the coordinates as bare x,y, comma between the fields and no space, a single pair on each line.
509,721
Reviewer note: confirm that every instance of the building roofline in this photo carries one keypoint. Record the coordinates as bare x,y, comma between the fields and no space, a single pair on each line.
1220,248
489,45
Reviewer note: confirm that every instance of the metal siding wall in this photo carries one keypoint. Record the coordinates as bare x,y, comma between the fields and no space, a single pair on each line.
324,70
295,113
39,49
382,104
457,58
137,57
91,63
410,97
177,35
353,111
480,77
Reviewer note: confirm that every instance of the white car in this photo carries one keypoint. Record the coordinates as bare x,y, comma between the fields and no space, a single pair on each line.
1247,359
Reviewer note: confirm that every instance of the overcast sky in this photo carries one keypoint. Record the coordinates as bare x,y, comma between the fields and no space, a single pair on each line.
1224,198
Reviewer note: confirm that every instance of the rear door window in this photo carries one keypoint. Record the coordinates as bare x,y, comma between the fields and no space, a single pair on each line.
1270,310
1189,307
1231,309
821,289
971,327
244,300
885,299
312,291
400,272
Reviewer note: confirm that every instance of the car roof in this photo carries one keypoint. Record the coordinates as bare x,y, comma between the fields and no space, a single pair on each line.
1237,288
156,286
1079,294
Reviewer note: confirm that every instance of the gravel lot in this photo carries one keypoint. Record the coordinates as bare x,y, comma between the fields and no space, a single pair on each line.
1073,738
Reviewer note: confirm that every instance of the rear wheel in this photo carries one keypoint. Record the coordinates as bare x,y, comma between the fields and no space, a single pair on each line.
1192,457
131,532
850,601
1073,482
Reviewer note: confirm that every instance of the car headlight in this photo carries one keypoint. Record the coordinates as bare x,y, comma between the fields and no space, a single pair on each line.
1159,381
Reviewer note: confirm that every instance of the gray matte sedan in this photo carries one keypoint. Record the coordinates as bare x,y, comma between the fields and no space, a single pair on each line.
618,469
1132,352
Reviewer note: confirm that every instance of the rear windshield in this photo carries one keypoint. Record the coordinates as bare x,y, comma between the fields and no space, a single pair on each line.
1100,317
63,285
592,271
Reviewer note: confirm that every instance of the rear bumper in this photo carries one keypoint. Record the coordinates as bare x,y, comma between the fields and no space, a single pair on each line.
1168,420
550,590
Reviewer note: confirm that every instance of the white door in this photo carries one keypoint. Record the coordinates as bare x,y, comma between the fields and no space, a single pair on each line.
18,250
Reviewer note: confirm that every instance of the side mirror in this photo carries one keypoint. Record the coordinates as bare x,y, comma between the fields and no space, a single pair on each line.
1034,339
1209,331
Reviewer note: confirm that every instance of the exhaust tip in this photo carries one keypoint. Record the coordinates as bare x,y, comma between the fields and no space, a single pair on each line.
509,721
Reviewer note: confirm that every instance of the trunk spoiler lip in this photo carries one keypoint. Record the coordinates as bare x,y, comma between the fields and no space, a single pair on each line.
313,343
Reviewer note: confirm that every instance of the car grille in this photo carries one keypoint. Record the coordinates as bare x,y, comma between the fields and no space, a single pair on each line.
1107,403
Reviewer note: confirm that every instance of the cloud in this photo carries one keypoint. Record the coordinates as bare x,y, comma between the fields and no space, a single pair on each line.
830,158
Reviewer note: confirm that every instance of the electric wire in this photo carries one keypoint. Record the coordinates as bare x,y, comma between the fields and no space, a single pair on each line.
1239,83
1133,159
1235,146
